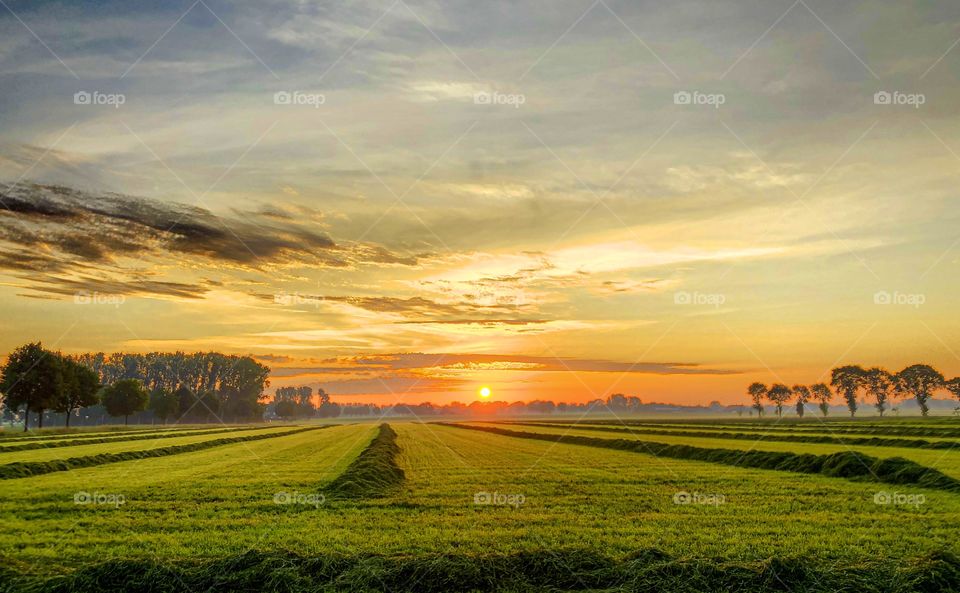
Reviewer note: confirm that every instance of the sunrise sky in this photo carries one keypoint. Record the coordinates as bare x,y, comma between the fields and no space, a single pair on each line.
461,194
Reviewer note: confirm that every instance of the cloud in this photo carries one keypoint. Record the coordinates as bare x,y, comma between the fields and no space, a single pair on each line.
81,240
447,361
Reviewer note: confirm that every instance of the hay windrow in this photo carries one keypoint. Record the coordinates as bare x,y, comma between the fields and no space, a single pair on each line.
53,444
787,438
554,570
844,464
26,469
374,473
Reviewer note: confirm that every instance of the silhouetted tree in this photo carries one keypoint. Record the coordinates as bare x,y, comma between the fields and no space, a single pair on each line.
821,392
164,404
802,393
878,383
32,378
920,381
80,388
953,386
847,380
757,392
779,394
125,397
285,409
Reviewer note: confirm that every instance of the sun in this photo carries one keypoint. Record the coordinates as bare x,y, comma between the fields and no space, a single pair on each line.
484,392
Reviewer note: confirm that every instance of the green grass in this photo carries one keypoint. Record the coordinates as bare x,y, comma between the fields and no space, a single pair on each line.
23,469
115,447
939,428
847,440
947,461
590,518
59,442
374,473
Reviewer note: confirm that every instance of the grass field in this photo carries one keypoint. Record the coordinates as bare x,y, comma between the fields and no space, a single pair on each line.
435,507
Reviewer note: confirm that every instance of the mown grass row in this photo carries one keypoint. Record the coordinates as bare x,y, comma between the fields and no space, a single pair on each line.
25,469
374,473
844,464
541,570
81,432
830,427
789,438
120,439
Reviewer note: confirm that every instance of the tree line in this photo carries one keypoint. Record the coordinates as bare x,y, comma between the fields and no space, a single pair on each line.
919,381
197,387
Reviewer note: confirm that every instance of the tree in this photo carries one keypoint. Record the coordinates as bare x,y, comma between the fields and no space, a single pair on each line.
953,386
779,394
186,400
920,381
80,387
878,383
329,410
821,392
164,404
847,380
757,392
285,409
802,393
125,397
33,378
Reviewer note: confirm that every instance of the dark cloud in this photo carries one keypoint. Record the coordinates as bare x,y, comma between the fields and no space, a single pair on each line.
420,310
100,286
407,362
58,231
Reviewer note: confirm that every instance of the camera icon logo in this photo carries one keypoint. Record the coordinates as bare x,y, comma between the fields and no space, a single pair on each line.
482,498
81,98
882,98
682,98
882,298
282,98
682,298
482,98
